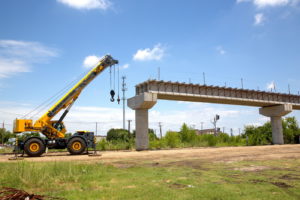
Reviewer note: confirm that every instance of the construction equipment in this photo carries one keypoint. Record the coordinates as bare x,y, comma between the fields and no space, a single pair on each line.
55,130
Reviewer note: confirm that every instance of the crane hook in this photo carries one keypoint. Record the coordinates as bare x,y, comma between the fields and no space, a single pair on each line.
112,94
118,99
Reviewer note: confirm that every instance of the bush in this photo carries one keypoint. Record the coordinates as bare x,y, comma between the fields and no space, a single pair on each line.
158,144
104,145
5,135
212,140
291,131
172,139
187,134
118,135
152,135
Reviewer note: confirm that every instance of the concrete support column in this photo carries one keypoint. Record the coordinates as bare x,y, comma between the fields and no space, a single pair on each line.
276,113
141,128
141,104
277,132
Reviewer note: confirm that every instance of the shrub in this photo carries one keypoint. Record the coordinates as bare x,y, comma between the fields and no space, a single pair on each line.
102,145
158,144
172,139
118,135
187,134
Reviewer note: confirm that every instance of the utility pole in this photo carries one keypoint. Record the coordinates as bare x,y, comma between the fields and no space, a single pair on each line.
204,78
223,129
289,89
129,121
160,130
239,131
124,98
231,132
201,125
242,82
96,128
214,122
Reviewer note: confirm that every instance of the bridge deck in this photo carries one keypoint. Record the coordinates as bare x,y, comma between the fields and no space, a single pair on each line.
214,94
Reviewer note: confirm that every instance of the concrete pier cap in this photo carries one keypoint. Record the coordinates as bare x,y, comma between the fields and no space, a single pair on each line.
275,113
141,104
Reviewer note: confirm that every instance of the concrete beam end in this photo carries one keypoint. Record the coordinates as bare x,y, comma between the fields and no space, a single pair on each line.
276,111
142,101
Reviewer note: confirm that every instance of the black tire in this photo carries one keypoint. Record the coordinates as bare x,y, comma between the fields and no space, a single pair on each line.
34,147
76,146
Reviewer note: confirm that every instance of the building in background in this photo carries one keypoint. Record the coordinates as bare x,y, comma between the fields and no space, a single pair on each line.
207,131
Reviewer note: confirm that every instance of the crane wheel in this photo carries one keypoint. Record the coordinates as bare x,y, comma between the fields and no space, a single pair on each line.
34,147
76,146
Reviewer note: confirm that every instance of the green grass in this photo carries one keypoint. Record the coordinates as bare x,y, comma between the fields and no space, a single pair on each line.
194,180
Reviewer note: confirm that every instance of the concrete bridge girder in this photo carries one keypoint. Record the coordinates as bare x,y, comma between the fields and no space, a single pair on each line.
276,113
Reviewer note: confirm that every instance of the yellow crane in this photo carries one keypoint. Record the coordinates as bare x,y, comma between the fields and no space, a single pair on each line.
55,130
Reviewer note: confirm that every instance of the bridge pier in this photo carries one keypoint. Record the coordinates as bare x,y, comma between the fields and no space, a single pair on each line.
141,104
276,113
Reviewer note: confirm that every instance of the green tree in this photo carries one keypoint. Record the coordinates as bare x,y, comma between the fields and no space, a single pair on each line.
187,134
118,135
291,131
5,135
172,139
151,134
263,134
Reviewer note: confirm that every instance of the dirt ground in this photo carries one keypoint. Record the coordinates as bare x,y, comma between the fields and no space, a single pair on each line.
183,156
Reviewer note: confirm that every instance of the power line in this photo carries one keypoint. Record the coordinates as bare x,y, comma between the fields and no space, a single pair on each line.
10,113
42,106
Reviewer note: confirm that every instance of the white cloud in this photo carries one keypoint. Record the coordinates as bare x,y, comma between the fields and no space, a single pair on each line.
87,4
19,56
11,67
156,53
125,66
221,50
270,3
25,49
91,61
259,19
271,86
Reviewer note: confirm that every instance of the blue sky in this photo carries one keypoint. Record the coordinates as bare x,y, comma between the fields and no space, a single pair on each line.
46,44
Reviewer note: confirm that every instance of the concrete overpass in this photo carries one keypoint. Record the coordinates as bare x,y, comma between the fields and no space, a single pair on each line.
273,105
